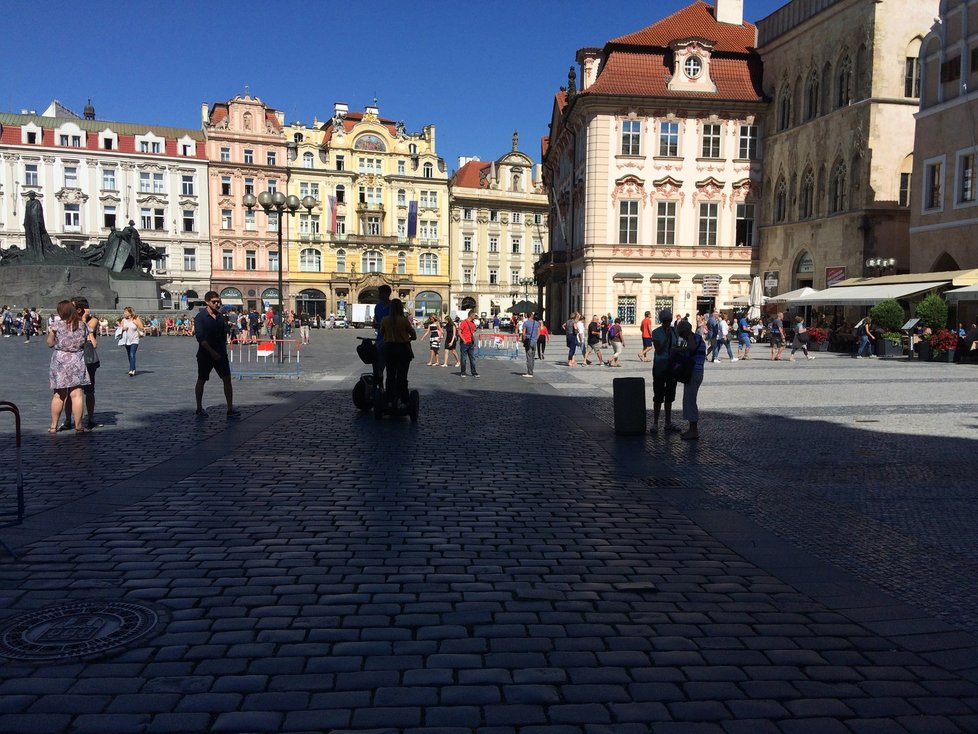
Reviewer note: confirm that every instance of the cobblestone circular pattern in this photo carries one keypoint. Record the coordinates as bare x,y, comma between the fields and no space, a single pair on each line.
75,630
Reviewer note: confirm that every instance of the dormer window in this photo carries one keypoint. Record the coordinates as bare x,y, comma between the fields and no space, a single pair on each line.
693,67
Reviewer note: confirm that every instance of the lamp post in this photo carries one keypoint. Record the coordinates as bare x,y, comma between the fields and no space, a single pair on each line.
526,283
282,204
879,264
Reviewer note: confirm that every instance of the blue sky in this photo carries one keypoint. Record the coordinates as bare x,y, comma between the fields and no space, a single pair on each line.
476,70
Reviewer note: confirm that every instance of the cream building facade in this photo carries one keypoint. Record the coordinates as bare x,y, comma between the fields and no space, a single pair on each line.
92,175
499,213
944,215
653,170
843,78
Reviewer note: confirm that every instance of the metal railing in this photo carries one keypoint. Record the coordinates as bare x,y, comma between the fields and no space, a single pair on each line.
266,358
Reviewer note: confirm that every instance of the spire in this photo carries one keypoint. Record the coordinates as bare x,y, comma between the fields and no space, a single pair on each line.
516,140
89,111
571,84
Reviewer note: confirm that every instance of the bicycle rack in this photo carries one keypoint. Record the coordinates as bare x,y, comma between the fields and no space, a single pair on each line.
11,518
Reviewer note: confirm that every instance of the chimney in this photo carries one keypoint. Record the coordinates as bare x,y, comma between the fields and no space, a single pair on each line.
204,114
730,11
340,109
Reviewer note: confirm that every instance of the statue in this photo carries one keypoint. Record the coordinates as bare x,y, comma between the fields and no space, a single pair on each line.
38,242
115,252
123,250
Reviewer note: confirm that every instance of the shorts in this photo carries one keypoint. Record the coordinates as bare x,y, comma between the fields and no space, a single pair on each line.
744,340
646,342
206,363
663,387
776,339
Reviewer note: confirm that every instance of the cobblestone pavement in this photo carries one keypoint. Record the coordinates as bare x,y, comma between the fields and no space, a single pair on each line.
508,565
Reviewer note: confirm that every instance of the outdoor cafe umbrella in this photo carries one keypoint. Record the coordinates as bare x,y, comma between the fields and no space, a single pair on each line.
756,299
523,307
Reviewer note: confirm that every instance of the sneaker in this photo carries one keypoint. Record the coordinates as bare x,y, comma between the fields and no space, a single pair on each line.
689,436
735,359
791,359
462,374
527,375
475,375
859,356
810,357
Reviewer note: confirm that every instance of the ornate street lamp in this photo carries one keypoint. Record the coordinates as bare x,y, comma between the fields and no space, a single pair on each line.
279,202
526,283
879,264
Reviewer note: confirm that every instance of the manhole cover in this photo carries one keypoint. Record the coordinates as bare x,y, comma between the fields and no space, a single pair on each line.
75,630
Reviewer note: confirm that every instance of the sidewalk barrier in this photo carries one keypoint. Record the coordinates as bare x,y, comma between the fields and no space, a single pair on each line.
267,358
497,346
13,515
629,405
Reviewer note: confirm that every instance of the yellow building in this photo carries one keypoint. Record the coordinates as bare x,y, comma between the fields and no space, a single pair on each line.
382,219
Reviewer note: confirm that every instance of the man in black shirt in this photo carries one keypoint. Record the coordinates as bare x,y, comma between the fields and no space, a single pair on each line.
210,328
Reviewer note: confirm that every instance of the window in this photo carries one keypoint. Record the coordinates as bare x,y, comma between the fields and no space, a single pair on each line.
249,156
32,138
227,259
537,246
272,222
933,182
402,263
402,228
516,245
340,261
108,216
187,185
467,214
270,158
341,226
307,160
189,258
806,199
189,225
340,194
951,70
159,219
627,308
709,217
843,84
493,215
493,276
711,141
905,189
693,66
428,263
251,260
837,189
272,257
428,171
372,261
108,179
784,109
517,218
373,226
748,143
538,219
467,276
72,218
401,197
249,185
665,223
423,199
108,143
467,243
514,275
225,155
400,168
340,163
159,187
745,225
493,244
225,185
271,186
669,139
145,218
911,78
71,177
157,147
811,96
145,183
631,131
310,261
30,174
628,222
780,201
225,219
63,140
966,178
250,225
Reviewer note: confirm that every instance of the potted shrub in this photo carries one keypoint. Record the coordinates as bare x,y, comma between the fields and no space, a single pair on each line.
943,343
932,312
819,337
891,344
888,315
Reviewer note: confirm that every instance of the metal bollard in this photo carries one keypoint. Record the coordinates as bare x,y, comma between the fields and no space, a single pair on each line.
629,402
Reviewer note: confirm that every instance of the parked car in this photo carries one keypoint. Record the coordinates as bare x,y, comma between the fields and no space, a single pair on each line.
506,323
340,323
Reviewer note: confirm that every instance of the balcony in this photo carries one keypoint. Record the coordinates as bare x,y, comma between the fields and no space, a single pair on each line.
554,257
368,239
370,206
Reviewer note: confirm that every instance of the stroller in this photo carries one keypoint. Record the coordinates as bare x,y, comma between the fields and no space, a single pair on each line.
368,393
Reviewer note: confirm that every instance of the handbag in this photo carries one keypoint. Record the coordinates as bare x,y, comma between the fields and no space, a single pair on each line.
91,354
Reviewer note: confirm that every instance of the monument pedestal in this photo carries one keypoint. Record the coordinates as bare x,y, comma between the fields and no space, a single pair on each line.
136,290
44,285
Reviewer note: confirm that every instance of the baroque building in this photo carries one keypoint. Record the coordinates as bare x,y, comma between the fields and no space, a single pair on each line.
92,175
653,169
499,213
839,137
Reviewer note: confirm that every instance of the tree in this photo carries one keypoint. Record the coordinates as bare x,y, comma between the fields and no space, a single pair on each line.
888,314
932,311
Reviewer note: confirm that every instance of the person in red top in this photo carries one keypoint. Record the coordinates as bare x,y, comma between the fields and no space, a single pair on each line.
466,340
542,340
646,336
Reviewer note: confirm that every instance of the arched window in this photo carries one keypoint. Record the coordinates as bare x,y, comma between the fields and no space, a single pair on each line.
837,188
310,260
401,197
428,170
843,83
780,201
372,261
428,263
402,263
811,96
298,137
911,73
340,193
806,199
307,160
784,109
341,261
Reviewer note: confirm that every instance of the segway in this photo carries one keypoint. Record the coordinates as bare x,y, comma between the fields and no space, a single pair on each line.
369,395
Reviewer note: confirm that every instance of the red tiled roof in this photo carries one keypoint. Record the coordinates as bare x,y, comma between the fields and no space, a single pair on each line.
544,146
218,112
647,74
694,21
470,176
561,98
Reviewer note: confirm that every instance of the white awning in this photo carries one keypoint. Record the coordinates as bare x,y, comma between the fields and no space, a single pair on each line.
791,295
863,295
968,293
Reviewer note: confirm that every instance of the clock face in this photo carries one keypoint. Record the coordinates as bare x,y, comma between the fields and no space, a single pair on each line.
693,67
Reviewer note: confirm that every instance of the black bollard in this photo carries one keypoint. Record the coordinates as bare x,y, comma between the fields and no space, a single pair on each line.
629,403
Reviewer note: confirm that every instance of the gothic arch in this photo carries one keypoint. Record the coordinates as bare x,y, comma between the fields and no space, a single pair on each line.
944,263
